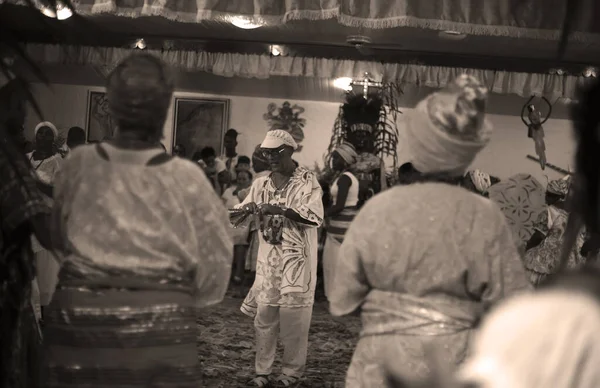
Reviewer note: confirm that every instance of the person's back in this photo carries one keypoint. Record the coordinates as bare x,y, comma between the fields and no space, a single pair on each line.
427,259
431,228
145,242
145,216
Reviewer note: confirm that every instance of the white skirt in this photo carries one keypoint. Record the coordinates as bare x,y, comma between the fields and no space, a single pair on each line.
330,259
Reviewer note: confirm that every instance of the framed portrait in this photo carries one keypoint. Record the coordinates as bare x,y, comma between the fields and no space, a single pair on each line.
100,126
199,123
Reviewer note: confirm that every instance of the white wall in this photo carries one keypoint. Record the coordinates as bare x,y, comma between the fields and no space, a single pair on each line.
66,105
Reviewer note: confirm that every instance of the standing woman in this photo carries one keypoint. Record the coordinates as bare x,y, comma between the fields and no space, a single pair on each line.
345,193
141,252
422,262
46,162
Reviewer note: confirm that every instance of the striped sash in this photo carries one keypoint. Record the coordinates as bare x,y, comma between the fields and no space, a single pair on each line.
339,224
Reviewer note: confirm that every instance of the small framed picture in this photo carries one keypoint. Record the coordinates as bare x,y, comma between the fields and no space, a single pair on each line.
100,125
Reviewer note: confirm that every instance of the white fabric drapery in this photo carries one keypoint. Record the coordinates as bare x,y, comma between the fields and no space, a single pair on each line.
264,66
537,19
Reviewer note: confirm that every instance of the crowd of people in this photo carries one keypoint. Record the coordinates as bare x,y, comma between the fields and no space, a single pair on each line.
109,253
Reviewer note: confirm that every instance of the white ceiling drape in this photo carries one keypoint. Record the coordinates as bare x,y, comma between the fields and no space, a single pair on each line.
264,66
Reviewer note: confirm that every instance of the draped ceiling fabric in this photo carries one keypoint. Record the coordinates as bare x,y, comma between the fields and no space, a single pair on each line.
537,19
265,66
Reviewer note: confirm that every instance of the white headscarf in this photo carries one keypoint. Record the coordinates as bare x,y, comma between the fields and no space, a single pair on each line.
447,129
545,339
347,152
46,124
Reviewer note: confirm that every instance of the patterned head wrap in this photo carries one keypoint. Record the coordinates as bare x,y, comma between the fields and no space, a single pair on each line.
558,331
46,124
560,187
139,92
347,152
481,180
447,129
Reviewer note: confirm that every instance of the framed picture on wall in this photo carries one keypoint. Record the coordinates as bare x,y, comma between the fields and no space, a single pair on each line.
100,125
199,123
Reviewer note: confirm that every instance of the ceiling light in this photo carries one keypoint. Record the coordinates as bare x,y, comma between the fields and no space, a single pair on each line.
590,72
452,35
49,12
344,83
140,44
62,11
276,50
245,23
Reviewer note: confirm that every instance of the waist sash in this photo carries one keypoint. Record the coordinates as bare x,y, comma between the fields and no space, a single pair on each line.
387,312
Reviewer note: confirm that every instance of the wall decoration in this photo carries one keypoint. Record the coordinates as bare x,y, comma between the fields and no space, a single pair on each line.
100,125
199,123
535,129
287,118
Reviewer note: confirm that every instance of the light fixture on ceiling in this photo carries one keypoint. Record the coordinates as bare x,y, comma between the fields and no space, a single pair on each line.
557,71
63,12
276,50
452,35
344,83
140,44
590,72
245,23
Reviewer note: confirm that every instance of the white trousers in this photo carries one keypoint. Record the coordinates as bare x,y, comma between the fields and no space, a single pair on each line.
291,325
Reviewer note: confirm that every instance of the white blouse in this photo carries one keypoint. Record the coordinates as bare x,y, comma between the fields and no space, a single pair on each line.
352,198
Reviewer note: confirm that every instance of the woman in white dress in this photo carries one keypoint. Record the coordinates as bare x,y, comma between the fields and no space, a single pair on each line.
345,194
46,162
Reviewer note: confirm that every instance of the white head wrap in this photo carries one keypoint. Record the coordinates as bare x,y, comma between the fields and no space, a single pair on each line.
347,152
278,137
544,339
447,129
46,124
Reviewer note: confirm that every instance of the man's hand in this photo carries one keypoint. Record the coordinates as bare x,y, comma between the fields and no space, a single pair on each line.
250,208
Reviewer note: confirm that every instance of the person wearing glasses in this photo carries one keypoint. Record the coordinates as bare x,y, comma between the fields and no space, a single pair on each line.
288,203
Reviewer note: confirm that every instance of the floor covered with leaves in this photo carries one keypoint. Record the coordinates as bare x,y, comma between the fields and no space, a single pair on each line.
226,350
